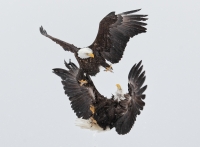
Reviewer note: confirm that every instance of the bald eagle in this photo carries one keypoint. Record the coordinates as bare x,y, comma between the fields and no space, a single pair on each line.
111,40
98,112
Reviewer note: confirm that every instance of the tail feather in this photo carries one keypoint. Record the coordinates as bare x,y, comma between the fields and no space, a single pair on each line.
88,124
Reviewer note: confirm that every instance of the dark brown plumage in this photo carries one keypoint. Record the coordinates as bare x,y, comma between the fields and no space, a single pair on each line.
111,40
120,111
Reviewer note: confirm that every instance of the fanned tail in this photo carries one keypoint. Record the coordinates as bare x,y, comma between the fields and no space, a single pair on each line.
88,124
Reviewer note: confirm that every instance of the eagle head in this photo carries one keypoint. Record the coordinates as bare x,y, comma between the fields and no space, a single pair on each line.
85,53
119,95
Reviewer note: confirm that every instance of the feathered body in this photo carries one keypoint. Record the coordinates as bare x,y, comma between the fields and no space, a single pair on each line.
115,30
91,65
120,111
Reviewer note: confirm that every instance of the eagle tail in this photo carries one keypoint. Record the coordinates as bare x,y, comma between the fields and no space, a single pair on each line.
89,124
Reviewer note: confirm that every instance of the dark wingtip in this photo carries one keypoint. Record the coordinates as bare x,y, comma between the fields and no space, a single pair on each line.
135,69
60,72
65,62
54,71
137,10
68,64
140,62
128,12
43,31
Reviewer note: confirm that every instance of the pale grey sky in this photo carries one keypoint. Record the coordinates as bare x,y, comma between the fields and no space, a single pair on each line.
33,108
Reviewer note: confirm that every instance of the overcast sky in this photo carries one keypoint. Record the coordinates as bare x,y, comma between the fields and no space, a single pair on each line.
35,112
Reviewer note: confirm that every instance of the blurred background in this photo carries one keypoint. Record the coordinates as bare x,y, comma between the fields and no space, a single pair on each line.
34,111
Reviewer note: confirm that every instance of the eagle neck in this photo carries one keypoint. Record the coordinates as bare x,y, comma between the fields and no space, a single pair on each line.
119,95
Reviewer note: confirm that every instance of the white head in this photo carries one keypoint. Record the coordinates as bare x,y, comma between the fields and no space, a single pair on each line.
85,53
119,95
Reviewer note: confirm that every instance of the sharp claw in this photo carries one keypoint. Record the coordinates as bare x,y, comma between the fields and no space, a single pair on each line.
82,82
109,68
92,121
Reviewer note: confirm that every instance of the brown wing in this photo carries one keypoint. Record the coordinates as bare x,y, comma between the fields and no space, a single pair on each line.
133,101
81,97
66,46
114,33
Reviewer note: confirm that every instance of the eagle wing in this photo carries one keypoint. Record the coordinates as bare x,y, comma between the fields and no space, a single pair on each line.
66,46
134,100
81,97
114,33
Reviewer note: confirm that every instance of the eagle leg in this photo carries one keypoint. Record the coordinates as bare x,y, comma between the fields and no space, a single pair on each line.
92,109
109,68
92,121
82,82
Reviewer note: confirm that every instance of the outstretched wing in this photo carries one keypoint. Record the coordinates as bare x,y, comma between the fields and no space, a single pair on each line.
81,97
66,46
133,101
114,33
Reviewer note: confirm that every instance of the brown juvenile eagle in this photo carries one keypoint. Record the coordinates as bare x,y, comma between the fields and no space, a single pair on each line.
98,112
114,32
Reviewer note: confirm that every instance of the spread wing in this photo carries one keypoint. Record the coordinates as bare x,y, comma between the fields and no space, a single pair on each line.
66,46
114,33
81,97
134,102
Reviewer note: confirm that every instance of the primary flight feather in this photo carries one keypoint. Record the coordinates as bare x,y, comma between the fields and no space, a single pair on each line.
98,112
114,32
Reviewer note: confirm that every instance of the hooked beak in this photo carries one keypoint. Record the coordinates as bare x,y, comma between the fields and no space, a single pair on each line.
91,55
118,87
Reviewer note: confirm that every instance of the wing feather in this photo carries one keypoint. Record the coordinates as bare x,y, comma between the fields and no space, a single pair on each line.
115,31
133,102
81,97
66,46
128,12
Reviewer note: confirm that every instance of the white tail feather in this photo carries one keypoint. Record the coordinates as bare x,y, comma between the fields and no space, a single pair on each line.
89,124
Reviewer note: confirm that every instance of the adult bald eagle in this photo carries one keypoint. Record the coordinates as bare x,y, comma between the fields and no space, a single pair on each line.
113,35
97,111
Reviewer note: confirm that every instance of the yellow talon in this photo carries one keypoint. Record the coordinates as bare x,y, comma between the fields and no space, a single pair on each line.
109,68
93,121
82,82
92,109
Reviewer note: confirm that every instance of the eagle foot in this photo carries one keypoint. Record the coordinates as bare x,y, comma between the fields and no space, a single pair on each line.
82,82
92,121
92,109
109,68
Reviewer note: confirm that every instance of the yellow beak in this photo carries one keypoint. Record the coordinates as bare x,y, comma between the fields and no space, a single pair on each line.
91,55
118,87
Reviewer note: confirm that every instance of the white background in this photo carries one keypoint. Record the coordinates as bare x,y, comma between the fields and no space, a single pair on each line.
34,112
